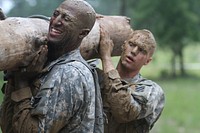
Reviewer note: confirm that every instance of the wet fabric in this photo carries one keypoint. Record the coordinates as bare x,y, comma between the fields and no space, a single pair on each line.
65,102
131,105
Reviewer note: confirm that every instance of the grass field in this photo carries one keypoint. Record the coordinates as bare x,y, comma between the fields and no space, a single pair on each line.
181,112
182,109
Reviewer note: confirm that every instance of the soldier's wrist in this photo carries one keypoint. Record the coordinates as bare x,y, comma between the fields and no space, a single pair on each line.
21,94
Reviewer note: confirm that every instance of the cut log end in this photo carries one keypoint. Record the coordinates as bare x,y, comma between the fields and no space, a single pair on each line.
2,15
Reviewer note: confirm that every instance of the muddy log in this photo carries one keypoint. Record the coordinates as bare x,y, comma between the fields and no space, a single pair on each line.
20,37
119,29
17,40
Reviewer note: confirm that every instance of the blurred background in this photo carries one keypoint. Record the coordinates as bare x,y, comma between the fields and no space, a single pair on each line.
176,64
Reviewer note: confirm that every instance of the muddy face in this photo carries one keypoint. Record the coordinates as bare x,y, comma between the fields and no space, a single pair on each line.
138,50
70,23
63,26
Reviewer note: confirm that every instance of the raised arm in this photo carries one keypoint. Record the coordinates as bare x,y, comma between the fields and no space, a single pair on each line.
105,50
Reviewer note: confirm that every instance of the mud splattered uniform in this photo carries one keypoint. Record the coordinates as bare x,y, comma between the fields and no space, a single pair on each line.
131,105
65,102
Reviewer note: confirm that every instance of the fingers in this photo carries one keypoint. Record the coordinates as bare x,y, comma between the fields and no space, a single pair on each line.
40,41
42,57
103,32
106,44
34,67
28,58
43,54
38,62
34,60
104,35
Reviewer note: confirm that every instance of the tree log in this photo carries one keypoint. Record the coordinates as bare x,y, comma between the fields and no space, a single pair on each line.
20,36
17,39
118,28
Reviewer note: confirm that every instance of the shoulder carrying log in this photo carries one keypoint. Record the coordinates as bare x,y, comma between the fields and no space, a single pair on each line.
18,36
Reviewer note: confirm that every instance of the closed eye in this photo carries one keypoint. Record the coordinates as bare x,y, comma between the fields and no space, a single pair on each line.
56,13
131,44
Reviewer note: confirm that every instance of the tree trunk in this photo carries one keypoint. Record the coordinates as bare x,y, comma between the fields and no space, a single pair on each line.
173,64
181,61
20,37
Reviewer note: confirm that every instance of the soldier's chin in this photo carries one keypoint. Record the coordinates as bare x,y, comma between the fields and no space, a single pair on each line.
55,44
54,41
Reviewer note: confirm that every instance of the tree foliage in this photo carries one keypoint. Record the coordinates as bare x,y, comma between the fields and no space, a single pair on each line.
25,8
174,22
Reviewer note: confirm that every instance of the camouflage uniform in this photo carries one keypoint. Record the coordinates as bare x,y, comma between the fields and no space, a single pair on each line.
131,105
65,102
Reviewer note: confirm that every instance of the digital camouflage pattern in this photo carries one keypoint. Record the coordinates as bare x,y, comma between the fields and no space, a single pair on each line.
131,105
67,97
65,102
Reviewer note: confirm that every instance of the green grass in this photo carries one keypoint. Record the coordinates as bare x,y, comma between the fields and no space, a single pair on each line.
1,83
182,109
181,112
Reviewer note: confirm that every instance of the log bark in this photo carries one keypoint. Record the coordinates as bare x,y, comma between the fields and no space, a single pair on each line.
19,37
117,26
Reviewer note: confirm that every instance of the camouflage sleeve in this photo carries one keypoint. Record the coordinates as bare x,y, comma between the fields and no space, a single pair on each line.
63,100
6,108
23,121
60,99
129,102
12,115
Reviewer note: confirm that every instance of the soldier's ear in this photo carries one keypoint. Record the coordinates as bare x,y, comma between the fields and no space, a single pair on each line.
123,45
148,61
84,33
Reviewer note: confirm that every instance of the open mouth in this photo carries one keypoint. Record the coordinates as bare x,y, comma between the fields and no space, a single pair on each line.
55,31
130,59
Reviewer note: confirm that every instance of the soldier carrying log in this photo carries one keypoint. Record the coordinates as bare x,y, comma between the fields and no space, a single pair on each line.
28,33
64,98
132,103
64,93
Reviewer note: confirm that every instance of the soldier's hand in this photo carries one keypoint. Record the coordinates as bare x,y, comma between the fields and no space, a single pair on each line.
39,60
24,76
106,44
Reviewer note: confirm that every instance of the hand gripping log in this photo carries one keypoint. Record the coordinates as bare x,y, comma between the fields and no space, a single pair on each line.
20,36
